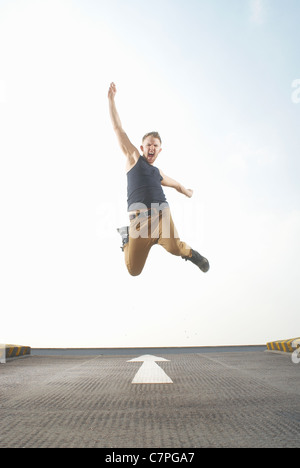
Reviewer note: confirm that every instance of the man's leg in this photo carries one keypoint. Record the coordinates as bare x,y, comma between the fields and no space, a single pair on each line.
138,246
169,239
168,236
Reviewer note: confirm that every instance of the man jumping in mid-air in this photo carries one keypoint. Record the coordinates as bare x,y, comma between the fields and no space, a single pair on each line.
149,213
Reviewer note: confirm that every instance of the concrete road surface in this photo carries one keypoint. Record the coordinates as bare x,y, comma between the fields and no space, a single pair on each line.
233,399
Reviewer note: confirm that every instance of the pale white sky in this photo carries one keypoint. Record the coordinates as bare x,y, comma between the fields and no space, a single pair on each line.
216,80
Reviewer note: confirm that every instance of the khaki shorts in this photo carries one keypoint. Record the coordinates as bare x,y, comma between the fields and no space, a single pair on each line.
146,231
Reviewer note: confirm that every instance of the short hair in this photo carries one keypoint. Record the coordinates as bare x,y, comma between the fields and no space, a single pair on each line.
154,135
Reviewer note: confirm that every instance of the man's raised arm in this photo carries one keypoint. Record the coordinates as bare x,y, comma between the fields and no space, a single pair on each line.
127,147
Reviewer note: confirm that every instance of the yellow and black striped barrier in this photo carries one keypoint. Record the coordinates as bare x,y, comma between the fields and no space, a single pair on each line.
286,346
12,351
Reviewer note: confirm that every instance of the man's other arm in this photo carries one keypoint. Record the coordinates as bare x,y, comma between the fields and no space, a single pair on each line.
168,182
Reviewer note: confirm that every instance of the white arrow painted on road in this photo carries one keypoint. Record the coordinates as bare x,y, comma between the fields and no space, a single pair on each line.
150,372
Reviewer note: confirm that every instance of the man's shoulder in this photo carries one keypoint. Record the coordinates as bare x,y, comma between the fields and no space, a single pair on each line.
132,162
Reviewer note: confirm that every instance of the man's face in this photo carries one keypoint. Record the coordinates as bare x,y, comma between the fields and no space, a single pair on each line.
151,148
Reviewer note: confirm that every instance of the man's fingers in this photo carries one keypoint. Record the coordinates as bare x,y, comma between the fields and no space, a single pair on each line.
112,90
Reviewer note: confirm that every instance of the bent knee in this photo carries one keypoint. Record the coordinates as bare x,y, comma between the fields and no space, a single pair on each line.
134,271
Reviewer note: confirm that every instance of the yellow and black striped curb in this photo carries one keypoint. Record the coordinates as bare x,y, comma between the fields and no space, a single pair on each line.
12,351
286,346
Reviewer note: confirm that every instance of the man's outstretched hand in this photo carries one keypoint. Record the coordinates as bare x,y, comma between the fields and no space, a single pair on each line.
112,91
189,193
